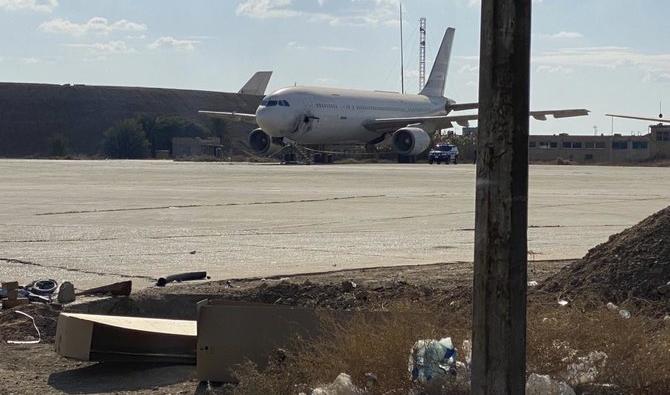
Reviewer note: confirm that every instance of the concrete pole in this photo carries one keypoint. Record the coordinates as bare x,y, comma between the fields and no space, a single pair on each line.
501,219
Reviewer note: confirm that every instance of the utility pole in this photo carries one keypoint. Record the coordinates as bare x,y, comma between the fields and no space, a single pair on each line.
422,53
501,219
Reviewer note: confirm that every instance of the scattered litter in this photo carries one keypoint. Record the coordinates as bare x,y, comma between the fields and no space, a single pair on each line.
562,302
193,252
587,369
431,359
625,314
12,295
32,297
66,293
191,276
39,336
466,349
371,381
532,284
666,318
348,286
341,386
117,289
538,384
612,307
42,287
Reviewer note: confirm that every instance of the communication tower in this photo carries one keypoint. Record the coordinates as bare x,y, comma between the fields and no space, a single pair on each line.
422,53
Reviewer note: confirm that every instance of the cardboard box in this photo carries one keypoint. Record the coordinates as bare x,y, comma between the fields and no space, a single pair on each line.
231,333
90,337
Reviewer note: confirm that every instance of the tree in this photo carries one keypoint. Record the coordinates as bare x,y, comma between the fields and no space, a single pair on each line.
58,145
126,140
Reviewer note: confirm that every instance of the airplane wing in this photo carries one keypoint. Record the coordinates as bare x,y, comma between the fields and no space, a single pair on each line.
384,125
659,120
231,116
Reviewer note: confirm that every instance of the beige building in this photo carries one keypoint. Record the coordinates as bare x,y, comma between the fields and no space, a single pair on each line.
598,149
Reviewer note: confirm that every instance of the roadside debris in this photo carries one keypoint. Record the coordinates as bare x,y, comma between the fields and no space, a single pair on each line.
562,302
66,293
190,276
587,369
532,284
432,360
625,314
117,289
341,386
538,384
42,287
39,336
348,286
11,291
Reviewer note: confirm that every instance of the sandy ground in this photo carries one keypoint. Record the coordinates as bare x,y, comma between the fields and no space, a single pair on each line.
38,369
94,222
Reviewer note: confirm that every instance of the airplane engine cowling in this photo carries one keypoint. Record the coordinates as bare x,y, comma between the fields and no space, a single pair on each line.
410,141
262,143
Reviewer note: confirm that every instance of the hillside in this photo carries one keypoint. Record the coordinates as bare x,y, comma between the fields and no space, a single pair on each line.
30,114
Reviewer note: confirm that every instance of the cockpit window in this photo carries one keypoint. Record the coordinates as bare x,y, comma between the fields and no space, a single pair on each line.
272,103
265,102
284,103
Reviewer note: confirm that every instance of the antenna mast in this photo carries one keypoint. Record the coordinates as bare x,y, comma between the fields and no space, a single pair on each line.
422,53
402,58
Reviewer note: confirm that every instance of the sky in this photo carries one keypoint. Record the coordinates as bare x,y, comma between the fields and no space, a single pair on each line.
603,55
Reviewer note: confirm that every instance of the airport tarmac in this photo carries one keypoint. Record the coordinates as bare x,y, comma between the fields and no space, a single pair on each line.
94,222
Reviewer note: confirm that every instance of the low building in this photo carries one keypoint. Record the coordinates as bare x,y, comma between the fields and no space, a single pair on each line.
189,147
615,148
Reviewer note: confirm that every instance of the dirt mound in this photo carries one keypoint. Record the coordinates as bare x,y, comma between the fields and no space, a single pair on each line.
347,295
632,264
14,326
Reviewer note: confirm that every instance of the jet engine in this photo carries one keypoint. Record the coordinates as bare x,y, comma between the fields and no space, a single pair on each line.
264,144
410,141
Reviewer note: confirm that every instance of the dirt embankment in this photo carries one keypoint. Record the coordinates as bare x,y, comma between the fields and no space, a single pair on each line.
631,265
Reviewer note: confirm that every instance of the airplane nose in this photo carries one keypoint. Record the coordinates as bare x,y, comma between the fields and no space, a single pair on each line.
274,121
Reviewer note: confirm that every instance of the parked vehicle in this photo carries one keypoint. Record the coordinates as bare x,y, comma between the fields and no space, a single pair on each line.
447,153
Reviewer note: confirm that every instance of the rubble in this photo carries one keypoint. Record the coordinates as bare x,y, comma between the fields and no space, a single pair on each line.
544,385
587,369
341,386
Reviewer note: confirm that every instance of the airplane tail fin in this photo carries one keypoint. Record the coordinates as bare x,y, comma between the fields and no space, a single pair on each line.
438,76
257,84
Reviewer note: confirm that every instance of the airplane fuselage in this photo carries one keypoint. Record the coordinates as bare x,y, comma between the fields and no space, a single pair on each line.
309,115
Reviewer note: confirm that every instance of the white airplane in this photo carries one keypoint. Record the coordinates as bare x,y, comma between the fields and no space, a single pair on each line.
257,84
657,120
311,115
